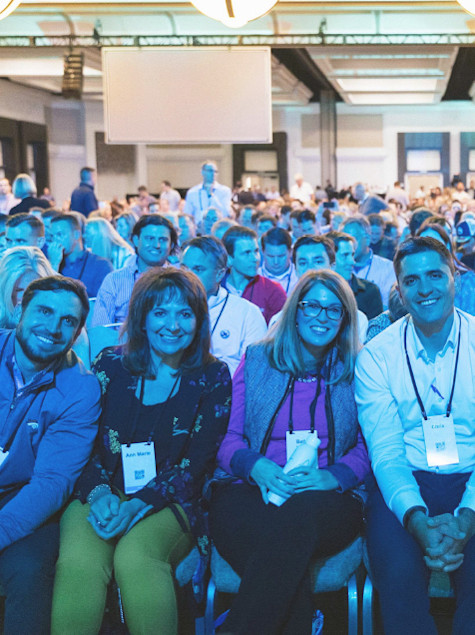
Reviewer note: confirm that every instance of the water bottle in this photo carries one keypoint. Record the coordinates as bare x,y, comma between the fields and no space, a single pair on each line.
304,455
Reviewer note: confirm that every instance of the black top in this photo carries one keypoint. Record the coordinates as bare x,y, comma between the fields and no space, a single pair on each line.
367,296
27,203
187,435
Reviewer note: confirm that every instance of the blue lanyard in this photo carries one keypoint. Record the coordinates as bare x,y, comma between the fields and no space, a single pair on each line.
209,196
418,397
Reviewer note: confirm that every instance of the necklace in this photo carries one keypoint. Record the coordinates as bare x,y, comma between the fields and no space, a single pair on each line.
308,379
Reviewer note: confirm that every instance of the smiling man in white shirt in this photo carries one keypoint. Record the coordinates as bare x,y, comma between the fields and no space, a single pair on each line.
415,390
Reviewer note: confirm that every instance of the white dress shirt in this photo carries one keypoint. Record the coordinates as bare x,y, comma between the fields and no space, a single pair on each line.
198,200
391,418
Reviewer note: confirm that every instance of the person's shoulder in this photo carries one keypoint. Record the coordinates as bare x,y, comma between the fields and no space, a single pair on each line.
468,321
386,342
193,189
118,276
109,361
213,373
243,306
382,262
99,261
257,351
72,375
367,286
271,285
39,202
223,188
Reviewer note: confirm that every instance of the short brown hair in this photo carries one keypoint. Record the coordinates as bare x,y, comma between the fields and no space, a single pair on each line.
419,245
233,234
59,283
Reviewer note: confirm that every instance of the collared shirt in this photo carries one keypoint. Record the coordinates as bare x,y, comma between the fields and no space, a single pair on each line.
390,416
380,271
235,323
287,280
198,200
266,294
20,383
112,302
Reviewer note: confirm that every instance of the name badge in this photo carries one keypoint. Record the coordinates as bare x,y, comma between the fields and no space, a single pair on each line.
294,439
139,465
3,456
439,437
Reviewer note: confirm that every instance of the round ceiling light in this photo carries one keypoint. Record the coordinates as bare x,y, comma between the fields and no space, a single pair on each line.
7,6
468,5
234,13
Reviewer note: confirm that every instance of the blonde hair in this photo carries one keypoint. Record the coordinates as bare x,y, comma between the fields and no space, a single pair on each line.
106,241
130,218
14,263
23,186
284,344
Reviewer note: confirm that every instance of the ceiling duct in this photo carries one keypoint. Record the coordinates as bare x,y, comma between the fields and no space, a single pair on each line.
73,76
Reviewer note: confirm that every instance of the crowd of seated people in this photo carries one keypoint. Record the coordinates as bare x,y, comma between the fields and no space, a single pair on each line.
163,359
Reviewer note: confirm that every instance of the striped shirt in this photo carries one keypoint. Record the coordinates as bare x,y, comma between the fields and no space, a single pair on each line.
112,302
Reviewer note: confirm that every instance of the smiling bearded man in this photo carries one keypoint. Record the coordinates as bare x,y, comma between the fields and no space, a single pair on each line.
49,406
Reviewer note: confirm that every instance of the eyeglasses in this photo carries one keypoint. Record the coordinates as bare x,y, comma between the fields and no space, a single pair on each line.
313,309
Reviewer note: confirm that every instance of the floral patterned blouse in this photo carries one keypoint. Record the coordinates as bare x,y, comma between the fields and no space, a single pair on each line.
193,427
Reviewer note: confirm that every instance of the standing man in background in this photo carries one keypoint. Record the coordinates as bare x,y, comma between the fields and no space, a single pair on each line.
83,198
169,194
302,191
209,193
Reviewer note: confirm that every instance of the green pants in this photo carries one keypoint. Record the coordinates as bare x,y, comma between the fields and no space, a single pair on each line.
143,562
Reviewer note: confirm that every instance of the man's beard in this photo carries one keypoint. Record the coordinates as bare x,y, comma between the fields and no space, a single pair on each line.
38,357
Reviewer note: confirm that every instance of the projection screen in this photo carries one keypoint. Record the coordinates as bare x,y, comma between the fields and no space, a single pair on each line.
189,95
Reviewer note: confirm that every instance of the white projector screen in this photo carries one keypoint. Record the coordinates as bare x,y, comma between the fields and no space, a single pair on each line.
187,95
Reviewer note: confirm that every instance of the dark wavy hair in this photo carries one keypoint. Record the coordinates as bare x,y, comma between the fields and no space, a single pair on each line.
158,285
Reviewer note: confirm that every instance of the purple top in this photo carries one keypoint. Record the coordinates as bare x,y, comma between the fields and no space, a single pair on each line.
355,459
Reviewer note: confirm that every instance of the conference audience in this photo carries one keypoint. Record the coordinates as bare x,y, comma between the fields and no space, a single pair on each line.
186,301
